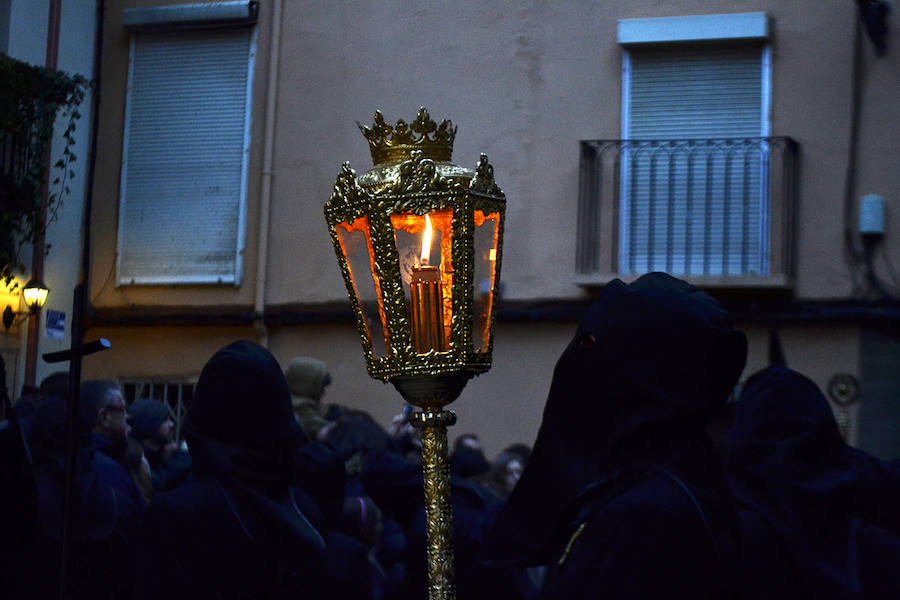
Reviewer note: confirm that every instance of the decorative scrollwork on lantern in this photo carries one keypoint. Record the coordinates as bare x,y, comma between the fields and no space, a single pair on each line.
346,187
383,220
419,174
484,178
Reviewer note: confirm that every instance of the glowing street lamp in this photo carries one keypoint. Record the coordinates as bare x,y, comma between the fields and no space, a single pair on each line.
419,243
35,294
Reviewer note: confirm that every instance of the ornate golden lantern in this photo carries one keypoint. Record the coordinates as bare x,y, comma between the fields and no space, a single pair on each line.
419,242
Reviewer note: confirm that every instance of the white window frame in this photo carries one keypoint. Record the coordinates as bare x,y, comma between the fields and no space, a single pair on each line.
695,28
240,241
698,28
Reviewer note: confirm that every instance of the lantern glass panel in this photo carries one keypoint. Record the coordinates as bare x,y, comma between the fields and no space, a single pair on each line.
356,244
409,236
487,228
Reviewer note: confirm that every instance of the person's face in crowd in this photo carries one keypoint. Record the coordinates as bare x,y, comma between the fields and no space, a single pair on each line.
112,416
166,432
401,429
513,472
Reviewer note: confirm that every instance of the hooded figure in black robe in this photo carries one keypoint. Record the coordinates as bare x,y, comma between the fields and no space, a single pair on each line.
18,498
623,496
825,516
236,531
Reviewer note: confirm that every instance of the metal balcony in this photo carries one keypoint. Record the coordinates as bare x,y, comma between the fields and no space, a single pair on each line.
710,209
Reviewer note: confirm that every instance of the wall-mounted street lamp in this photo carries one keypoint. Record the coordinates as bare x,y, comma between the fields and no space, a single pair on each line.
419,243
35,294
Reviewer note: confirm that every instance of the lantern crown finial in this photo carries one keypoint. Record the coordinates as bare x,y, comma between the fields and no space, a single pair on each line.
395,143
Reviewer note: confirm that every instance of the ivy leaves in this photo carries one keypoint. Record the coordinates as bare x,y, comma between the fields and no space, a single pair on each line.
30,101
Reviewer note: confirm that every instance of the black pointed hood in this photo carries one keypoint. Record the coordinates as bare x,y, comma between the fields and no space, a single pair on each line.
650,362
789,463
240,429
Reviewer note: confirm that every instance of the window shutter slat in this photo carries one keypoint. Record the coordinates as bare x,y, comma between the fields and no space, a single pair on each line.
695,92
184,163
684,213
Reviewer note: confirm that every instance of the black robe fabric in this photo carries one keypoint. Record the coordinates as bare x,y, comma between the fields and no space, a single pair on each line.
319,471
623,496
167,473
828,511
18,501
236,531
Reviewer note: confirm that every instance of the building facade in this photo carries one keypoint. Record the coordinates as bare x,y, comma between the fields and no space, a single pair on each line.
728,142
24,30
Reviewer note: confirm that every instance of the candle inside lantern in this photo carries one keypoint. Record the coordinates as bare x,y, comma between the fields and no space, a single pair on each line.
426,241
426,301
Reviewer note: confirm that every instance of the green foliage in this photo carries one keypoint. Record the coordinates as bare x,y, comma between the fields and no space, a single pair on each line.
31,98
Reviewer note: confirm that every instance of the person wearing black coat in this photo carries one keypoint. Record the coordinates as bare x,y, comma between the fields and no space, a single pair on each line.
623,496
105,513
236,530
103,399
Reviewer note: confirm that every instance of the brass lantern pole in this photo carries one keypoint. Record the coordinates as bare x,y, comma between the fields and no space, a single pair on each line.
419,243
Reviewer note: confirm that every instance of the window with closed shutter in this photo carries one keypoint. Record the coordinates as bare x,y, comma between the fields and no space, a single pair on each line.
184,168
693,195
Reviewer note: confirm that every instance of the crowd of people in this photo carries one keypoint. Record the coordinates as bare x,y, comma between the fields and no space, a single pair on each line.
267,495
649,478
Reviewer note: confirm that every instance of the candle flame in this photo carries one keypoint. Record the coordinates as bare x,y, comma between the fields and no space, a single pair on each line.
426,241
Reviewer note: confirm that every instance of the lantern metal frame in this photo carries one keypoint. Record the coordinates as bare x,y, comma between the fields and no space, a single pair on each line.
412,175
411,193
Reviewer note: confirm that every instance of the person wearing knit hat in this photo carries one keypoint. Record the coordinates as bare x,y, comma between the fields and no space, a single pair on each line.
152,426
146,417
307,378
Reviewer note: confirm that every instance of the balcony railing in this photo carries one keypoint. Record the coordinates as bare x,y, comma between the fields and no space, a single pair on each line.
712,209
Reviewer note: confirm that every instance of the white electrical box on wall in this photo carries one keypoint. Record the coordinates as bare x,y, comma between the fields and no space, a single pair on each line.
871,215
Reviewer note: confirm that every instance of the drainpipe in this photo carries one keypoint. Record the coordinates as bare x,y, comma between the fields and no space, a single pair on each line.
852,250
88,209
265,196
39,246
